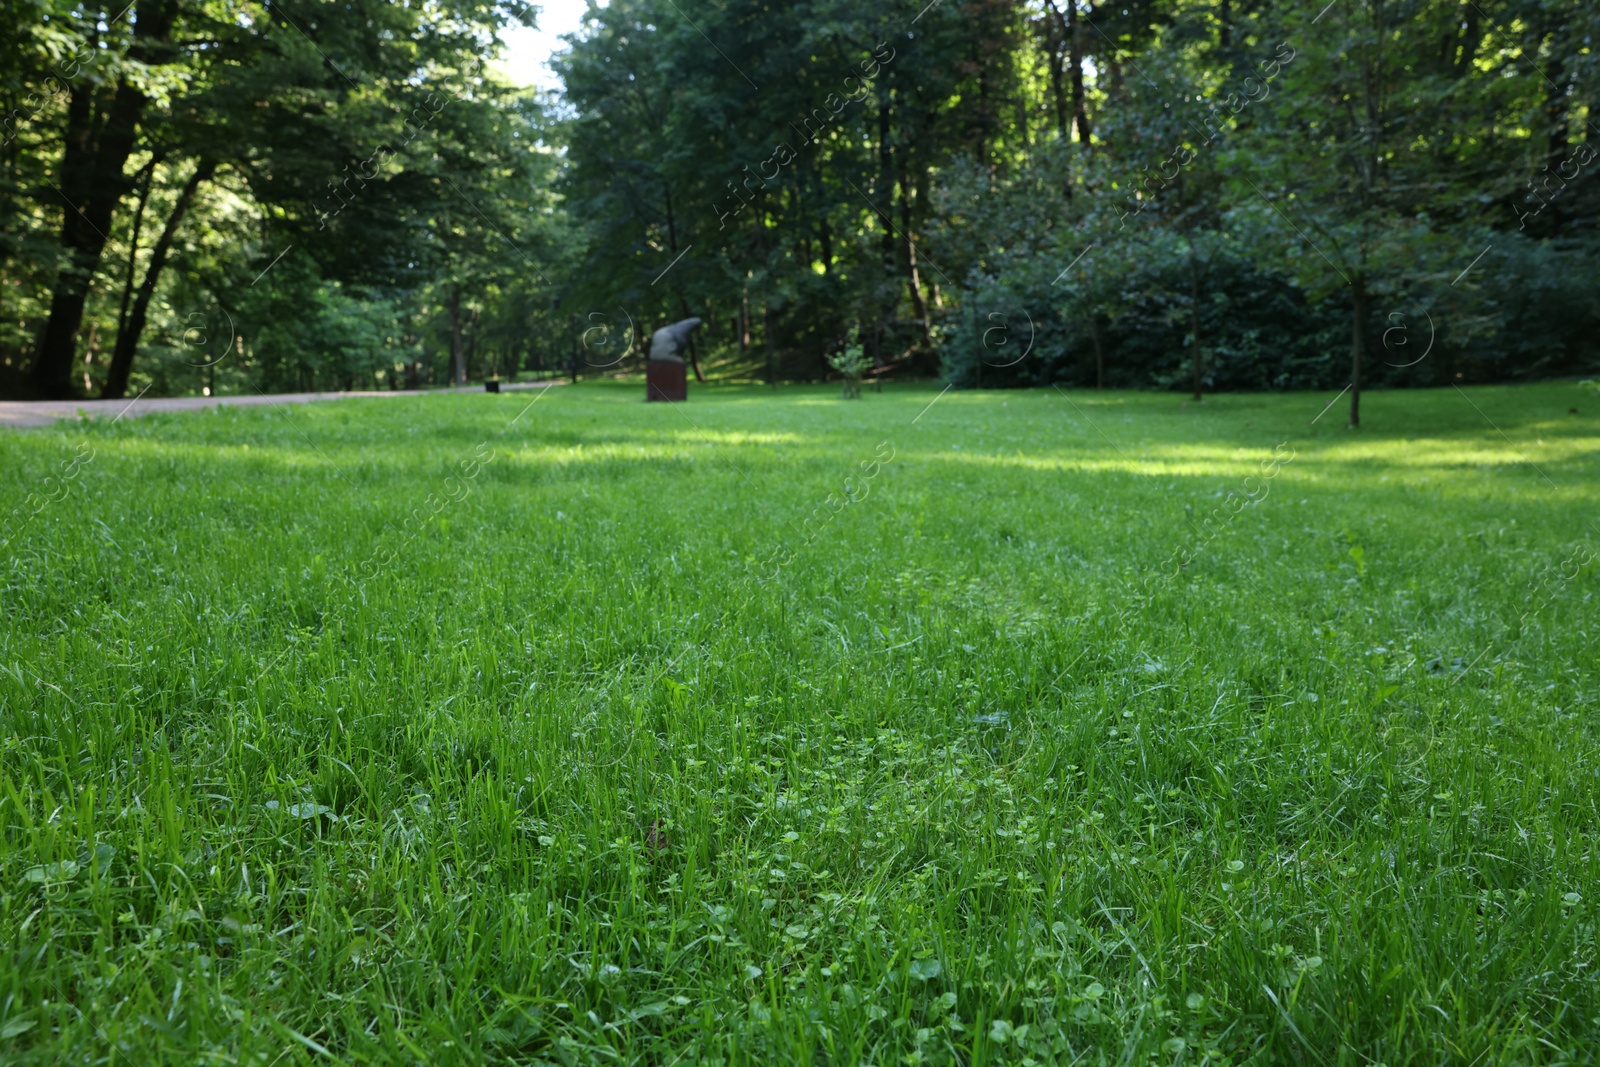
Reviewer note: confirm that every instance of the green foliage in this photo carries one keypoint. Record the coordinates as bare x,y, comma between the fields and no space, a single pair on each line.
850,362
1268,190
1097,728
791,197
1261,330
358,154
1266,186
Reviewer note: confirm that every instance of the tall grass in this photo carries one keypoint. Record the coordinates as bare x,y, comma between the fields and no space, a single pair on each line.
410,733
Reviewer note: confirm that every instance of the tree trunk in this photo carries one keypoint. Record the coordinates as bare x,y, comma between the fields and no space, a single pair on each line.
766,343
1558,122
88,357
145,178
471,332
672,241
768,355
1080,104
744,320
575,357
1358,344
1099,353
1194,326
913,275
128,336
877,361
1469,41
694,356
92,184
458,356
886,181
985,110
1053,45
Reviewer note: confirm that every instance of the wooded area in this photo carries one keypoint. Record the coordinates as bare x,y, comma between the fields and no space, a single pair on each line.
1197,194
936,721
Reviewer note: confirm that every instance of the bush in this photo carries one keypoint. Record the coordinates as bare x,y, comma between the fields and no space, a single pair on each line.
1258,330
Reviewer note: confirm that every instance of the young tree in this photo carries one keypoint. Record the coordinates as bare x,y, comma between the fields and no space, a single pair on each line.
1354,162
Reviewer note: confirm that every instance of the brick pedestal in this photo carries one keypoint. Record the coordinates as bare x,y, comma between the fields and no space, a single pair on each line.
665,380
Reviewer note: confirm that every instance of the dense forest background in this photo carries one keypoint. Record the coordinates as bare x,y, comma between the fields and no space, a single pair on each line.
229,196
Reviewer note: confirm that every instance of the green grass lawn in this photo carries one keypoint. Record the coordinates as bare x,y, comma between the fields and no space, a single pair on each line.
775,728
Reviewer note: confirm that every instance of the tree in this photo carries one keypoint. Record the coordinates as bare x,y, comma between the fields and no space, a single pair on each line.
1355,158
202,85
103,118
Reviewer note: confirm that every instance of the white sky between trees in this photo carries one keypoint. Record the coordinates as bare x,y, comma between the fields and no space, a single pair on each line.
527,54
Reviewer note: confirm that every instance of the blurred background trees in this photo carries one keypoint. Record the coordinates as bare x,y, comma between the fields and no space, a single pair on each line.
229,196
1186,194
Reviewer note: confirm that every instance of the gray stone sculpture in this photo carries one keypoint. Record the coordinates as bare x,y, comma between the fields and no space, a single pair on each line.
667,344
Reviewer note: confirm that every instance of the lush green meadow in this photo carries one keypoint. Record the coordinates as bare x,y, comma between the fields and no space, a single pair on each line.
776,728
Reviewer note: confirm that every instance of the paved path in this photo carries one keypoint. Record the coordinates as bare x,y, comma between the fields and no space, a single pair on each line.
44,412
